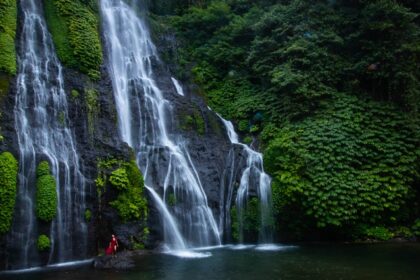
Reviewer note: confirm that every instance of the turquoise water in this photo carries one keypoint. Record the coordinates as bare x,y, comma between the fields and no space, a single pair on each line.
379,261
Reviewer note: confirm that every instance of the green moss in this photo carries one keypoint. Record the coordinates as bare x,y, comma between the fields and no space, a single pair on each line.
215,124
4,89
74,26
199,122
74,94
92,106
43,169
195,121
8,18
46,195
43,243
171,199
138,242
8,181
62,118
4,85
88,215
234,223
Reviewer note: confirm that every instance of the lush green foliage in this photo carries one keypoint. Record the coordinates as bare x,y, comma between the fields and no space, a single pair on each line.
46,195
353,163
331,88
43,243
8,15
119,179
74,26
128,180
8,181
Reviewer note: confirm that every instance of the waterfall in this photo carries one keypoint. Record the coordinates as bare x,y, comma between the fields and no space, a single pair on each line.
251,174
178,86
144,119
43,133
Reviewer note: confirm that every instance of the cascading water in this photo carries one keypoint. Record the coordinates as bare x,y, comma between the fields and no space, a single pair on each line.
250,174
144,117
42,126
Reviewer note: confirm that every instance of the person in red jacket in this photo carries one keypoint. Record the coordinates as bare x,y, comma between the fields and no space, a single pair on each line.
113,245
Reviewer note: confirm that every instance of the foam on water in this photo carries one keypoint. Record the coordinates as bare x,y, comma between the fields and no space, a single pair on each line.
241,246
48,267
273,247
187,254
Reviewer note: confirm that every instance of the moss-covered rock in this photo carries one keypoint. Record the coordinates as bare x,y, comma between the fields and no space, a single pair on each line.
193,121
88,215
74,26
8,181
46,195
8,15
43,243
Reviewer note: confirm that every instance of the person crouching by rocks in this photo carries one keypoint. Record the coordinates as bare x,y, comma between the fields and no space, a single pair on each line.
112,247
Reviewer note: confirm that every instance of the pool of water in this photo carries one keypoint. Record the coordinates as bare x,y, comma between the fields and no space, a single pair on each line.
332,261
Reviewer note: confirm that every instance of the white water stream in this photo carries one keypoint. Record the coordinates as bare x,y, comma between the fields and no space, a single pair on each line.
43,133
144,117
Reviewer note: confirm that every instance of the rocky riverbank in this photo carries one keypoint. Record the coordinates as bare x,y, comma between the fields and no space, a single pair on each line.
121,261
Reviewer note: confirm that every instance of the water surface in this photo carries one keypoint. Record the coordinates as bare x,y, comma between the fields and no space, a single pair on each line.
379,261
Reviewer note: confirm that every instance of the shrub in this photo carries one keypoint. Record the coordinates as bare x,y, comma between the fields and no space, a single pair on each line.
8,182
119,179
43,243
379,233
131,205
128,180
46,195
403,232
